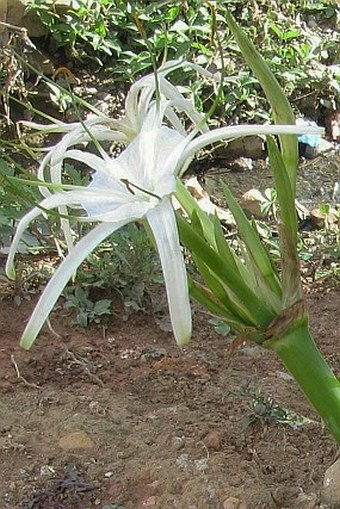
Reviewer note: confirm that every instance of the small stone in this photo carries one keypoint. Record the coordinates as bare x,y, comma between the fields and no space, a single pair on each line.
234,503
252,202
331,485
322,219
205,203
249,147
213,441
46,470
178,443
76,440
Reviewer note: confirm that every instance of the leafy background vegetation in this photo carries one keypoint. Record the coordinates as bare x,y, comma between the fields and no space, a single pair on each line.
299,39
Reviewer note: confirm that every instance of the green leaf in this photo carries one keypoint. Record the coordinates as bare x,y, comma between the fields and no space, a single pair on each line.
282,111
257,311
207,299
82,319
220,327
221,294
190,205
284,191
102,307
255,248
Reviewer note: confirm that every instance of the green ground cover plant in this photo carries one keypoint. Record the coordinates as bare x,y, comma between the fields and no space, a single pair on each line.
291,36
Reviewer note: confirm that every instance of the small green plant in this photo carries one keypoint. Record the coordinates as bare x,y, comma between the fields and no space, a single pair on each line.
220,327
125,263
263,408
121,34
85,24
15,199
87,310
269,206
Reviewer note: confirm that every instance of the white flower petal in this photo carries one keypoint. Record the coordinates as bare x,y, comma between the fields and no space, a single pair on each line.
235,131
111,211
56,200
24,222
60,278
162,222
91,160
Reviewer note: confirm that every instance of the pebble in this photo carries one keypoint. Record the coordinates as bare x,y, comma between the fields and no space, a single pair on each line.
331,485
178,443
213,441
320,219
76,440
234,503
252,202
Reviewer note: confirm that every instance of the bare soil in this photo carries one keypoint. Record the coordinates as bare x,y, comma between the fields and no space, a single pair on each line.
170,428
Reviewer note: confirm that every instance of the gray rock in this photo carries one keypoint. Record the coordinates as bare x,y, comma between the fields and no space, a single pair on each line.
15,15
331,485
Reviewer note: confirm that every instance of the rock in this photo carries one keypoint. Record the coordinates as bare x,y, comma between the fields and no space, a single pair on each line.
331,485
321,219
213,441
242,164
15,15
333,125
252,202
205,203
324,146
234,503
76,440
251,147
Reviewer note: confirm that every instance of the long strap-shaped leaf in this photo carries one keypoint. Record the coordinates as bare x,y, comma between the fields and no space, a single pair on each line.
260,314
255,248
291,284
238,313
282,111
209,302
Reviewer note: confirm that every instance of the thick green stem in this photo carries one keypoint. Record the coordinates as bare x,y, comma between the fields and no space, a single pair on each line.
298,351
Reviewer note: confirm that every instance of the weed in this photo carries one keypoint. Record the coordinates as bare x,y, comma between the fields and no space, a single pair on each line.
289,35
126,263
264,408
87,310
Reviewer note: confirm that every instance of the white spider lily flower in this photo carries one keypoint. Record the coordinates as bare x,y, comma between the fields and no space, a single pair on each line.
139,103
195,144
137,185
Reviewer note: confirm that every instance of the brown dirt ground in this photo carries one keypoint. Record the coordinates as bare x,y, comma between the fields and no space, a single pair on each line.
168,425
